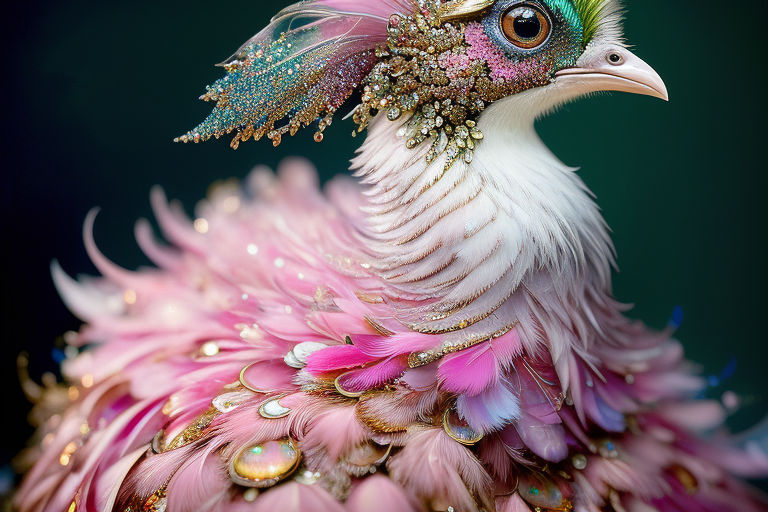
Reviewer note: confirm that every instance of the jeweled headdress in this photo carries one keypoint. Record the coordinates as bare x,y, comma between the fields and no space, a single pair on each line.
424,62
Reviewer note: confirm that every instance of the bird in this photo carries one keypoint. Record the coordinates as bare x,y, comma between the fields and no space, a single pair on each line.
436,333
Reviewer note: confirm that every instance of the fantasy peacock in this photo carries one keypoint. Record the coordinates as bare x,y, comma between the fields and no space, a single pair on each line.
439,335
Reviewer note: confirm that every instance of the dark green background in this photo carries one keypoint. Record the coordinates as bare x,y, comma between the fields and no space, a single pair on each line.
95,91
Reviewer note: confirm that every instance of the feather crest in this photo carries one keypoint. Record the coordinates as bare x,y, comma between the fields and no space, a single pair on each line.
300,68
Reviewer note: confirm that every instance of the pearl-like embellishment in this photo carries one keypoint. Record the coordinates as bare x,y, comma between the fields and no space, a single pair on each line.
272,409
302,351
265,464
579,461
297,358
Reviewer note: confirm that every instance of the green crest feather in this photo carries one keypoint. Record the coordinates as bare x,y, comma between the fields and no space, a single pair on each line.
591,13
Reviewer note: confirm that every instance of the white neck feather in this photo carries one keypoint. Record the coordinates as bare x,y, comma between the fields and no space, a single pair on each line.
466,240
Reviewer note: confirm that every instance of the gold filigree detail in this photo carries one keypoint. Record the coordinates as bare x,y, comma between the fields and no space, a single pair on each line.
194,432
462,8
425,357
378,327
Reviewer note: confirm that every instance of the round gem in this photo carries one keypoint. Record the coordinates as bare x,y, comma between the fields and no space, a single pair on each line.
579,461
265,464
541,492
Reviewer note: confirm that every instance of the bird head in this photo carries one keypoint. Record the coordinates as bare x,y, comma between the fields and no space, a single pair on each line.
575,44
433,65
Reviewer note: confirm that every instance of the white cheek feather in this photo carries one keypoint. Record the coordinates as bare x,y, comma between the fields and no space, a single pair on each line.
485,241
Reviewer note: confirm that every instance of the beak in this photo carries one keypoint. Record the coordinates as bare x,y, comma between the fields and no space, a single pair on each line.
612,68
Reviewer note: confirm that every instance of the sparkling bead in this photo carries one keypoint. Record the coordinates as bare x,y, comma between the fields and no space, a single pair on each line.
608,449
579,461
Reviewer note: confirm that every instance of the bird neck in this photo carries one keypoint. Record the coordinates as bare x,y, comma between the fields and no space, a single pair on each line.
463,240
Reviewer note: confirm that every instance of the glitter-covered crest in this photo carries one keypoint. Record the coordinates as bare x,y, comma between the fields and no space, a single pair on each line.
298,70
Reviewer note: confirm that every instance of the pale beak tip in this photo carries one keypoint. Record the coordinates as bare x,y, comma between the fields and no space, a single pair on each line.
664,94
612,68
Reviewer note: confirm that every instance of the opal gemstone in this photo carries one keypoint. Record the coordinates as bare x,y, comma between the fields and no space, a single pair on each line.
265,464
539,491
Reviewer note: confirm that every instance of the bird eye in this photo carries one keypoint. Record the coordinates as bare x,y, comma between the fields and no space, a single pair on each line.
526,26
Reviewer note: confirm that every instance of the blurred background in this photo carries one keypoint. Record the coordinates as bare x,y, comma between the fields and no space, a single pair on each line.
95,91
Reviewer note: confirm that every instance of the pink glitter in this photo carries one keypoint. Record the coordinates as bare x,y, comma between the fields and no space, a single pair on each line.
481,47
455,64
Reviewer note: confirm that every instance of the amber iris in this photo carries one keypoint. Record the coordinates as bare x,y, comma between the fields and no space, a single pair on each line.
526,26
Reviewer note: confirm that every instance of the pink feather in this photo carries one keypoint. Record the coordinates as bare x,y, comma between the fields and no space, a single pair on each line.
433,467
295,497
473,370
373,376
378,494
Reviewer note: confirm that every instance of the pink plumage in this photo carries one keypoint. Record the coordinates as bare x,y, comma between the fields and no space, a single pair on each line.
441,338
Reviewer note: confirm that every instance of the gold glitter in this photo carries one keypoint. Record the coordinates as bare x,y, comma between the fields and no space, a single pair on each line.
418,359
193,432
66,453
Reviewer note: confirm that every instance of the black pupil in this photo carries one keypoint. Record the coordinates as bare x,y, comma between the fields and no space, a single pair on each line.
527,25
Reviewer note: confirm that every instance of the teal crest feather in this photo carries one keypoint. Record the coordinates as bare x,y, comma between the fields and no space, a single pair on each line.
298,71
